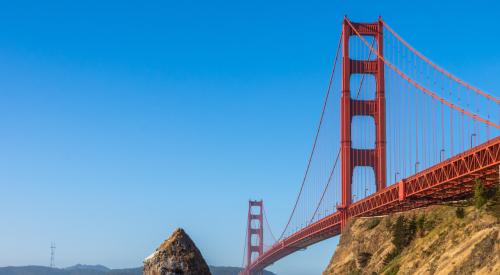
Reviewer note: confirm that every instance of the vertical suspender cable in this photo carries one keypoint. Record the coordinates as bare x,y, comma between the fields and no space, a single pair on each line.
316,137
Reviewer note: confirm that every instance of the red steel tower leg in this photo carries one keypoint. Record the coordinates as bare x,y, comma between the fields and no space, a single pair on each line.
255,232
352,157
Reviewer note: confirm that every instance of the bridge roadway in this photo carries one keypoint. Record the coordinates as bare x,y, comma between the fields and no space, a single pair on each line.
451,179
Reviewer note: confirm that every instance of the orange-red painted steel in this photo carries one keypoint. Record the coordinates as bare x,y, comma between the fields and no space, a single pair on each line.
255,230
449,180
352,157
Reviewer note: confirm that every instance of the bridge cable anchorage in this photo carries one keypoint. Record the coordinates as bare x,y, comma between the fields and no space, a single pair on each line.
443,71
316,137
420,87
338,152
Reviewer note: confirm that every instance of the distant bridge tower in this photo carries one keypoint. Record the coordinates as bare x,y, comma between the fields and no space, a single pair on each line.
350,107
52,254
255,232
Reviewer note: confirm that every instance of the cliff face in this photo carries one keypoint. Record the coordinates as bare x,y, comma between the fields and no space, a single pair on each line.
175,256
432,240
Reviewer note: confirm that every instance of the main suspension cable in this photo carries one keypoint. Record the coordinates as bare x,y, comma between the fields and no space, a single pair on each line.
338,153
316,137
420,87
267,223
448,74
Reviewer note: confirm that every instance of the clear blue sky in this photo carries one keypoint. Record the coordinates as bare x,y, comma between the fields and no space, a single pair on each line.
122,120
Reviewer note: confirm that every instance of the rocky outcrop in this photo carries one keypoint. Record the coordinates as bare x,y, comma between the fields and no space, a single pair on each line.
175,256
433,240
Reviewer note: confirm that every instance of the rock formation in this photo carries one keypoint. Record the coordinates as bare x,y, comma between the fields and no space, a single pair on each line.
433,240
175,256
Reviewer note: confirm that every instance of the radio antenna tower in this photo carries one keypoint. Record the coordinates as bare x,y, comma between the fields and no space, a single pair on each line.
52,254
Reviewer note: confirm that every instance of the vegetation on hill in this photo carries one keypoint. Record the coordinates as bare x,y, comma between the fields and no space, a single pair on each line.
456,238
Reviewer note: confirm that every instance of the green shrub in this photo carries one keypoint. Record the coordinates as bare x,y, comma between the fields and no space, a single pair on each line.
429,224
403,232
494,204
491,193
460,212
421,222
480,195
373,223
364,258
388,222
393,270
391,256
412,228
399,233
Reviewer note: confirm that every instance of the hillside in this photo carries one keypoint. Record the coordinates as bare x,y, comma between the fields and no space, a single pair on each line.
444,239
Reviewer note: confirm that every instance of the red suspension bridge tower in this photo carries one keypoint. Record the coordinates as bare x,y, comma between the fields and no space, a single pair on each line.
418,92
255,230
350,107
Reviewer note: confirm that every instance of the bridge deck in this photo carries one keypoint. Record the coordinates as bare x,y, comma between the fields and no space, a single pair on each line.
449,180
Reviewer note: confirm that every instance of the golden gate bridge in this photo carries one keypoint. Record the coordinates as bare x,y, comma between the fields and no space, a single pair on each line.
411,134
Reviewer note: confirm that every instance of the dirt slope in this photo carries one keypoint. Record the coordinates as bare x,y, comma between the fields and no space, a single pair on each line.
433,240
